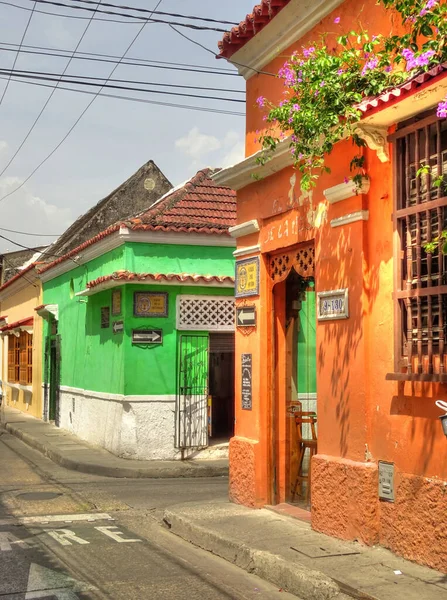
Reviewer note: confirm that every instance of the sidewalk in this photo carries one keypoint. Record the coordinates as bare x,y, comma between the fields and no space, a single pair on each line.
72,453
286,552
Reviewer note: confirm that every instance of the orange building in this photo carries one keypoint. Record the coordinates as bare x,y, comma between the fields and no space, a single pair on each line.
379,474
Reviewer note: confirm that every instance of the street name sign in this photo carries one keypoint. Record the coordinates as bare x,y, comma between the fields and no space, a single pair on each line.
147,336
247,277
246,316
247,377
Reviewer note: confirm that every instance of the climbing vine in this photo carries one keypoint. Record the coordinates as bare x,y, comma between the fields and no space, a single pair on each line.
324,84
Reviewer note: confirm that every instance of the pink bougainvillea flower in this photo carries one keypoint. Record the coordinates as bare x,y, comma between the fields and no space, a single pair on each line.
307,52
260,101
337,20
442,109
346,180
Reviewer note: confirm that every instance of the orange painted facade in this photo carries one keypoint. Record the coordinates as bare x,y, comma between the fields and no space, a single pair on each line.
362,417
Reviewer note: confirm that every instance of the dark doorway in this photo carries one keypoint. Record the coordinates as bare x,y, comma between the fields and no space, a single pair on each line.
221,387
54,379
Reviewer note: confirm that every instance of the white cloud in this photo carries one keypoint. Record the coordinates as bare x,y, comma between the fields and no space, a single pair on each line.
3,146
24,211
208,149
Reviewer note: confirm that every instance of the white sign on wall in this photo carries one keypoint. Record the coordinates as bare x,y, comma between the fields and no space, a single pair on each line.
333,305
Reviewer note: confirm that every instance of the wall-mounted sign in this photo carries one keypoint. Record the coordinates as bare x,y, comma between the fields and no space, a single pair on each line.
105,317
147,336
246,316
247,377
332,305
116,303
150,304
118,326
247,277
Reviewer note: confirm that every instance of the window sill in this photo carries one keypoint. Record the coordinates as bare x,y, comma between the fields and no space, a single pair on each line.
433,378
19,386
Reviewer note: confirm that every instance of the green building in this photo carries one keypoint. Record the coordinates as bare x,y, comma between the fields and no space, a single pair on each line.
139,328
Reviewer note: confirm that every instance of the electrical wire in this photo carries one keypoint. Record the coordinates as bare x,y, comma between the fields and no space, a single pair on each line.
53,14
42,162
11,266
23,73
18,51
127,16
29,233
133,99
157,12
215,56
137,62
23,142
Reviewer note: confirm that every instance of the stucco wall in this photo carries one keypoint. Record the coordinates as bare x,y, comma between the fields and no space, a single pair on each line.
20,305
141,428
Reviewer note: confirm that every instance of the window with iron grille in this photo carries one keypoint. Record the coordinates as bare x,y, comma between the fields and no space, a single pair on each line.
420,215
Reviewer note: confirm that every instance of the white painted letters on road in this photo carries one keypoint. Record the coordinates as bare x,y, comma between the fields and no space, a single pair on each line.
115,535
65,537
43,582
6,539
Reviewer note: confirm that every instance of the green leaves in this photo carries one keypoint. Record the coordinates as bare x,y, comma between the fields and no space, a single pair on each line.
323,86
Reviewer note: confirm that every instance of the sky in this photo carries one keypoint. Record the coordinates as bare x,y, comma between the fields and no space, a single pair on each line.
114,137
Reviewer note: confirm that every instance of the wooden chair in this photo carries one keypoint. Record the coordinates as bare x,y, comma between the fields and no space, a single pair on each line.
304,418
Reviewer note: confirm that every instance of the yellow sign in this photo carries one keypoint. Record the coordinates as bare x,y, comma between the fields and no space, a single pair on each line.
247,277
151,304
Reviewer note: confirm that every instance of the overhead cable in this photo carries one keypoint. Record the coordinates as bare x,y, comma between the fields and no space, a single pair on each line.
18,51
36,120
133,99
54,14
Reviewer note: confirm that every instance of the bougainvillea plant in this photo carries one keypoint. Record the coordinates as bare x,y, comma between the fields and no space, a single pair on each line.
325,82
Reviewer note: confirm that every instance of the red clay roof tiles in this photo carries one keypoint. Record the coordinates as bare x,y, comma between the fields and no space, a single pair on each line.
200,206
138,277
238,36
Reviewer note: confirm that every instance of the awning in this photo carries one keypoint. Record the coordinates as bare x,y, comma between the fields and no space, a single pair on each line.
18,326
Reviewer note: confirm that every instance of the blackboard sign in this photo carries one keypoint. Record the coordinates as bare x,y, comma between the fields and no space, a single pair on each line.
246,381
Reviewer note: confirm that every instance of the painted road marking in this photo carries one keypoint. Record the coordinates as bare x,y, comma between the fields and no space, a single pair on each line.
115,535
7,538
43,519
65,537
43,582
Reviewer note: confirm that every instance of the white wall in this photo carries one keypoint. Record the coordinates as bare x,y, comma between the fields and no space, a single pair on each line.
139,427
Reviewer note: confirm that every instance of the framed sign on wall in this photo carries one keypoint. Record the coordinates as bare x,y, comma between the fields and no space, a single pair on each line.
116,303
247,277
150,304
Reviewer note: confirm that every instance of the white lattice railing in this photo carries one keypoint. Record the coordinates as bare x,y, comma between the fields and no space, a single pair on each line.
205,313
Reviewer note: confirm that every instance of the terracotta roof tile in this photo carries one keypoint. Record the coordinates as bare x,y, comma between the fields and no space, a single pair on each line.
397,93
22,323
200,206
238,36
139,277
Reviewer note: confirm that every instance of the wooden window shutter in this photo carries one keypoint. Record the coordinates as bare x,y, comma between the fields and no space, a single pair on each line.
23,359
11,358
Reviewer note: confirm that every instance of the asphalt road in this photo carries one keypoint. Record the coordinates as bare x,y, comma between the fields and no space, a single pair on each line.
71,536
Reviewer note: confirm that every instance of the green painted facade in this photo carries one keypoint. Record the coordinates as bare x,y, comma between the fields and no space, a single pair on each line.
96,359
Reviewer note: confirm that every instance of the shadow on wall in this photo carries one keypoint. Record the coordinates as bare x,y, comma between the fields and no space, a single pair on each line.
345,265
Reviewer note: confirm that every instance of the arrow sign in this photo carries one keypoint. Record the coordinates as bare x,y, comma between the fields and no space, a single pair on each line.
118,326
246,316
147,336
43,582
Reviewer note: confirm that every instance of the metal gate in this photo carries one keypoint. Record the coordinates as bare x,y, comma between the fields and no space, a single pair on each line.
192,395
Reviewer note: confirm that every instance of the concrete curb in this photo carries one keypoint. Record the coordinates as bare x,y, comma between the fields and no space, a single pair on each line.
168,470
297,579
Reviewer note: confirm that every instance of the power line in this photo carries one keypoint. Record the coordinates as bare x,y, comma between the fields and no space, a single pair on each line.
157,12
11,266
82,113
133,99
23,142
119,87
22,72
127,16
29,233
18,51
137,62
53,14
214,54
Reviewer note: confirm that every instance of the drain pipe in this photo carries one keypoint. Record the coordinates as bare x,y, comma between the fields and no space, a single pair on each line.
443,406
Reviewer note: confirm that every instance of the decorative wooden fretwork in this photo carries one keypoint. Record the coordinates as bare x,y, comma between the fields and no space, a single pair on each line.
301,260
205,313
